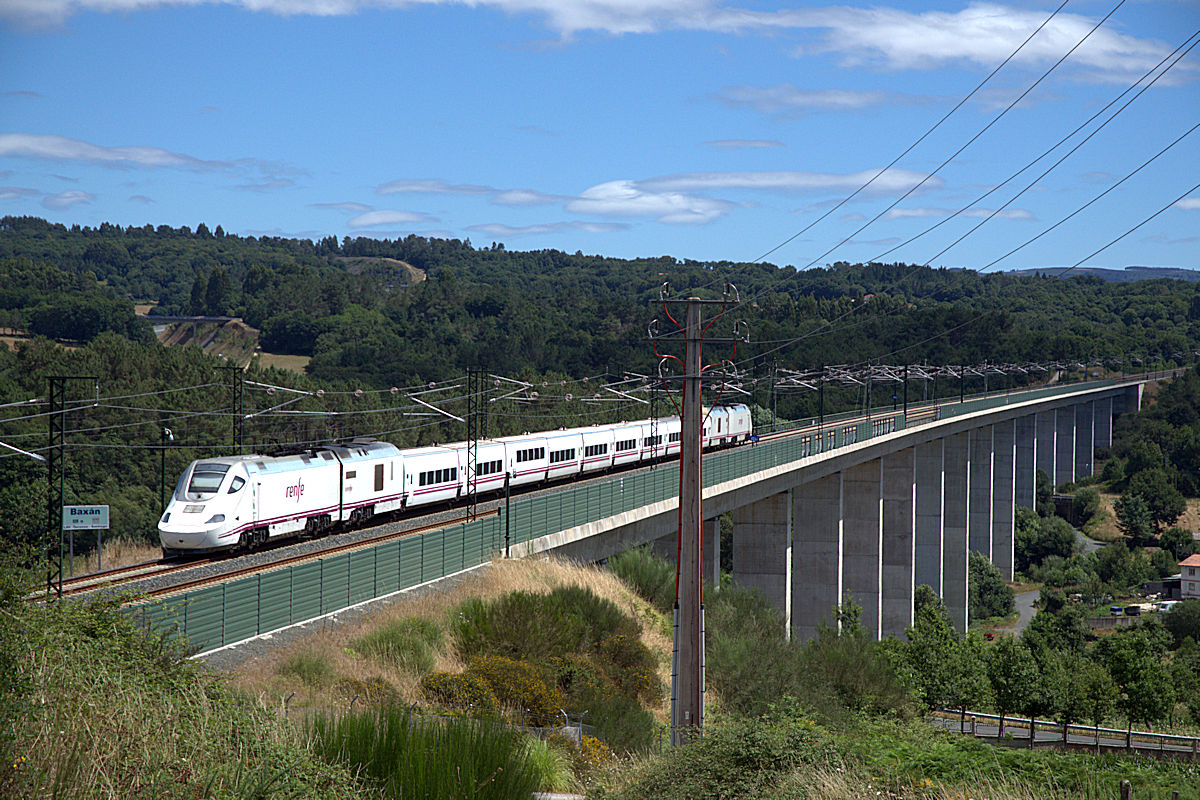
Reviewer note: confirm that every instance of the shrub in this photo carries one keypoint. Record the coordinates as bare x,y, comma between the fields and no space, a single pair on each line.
373,691
468,692
407,644
632,667
536,627
519,684
651,577
312,668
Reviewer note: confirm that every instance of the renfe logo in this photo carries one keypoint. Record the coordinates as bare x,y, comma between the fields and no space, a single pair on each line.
296,491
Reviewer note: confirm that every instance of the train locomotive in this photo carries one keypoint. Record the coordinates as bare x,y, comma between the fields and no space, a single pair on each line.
236,503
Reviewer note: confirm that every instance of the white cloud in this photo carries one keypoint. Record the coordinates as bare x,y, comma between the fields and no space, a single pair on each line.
789,98
60,148
1189,204
892,181
629,199
524,197
431,186
268,186
497,229
67,199
1020,214
14,192
982,33
975,213
140,198
387,217
354,208
744,143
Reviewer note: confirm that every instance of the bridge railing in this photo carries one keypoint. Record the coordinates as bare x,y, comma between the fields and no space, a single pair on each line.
1138,739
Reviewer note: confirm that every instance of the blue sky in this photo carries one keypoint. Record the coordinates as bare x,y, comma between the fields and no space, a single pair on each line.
699,129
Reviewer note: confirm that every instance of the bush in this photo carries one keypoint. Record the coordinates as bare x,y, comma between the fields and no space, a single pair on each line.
311,668
406,644
536,627
651,577
520,685
373,691
741,758
467,692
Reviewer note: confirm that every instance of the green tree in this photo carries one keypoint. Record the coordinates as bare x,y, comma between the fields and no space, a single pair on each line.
1179,542
1013,675
989,595
196,303
1165,502
1133,657
1183,622
216,294
1134,517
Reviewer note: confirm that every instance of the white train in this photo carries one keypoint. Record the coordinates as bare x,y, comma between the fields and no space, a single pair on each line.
239,502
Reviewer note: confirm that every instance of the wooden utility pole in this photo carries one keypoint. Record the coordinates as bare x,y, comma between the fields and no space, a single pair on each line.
687,707
687,662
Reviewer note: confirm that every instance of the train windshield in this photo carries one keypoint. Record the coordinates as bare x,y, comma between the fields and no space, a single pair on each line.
206,479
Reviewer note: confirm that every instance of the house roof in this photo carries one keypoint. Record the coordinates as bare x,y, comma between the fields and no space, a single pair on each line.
1191,561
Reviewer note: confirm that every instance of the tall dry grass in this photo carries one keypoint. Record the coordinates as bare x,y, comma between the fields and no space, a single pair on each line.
332,650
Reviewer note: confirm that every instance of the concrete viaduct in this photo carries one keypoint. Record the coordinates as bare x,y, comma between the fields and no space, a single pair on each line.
873,519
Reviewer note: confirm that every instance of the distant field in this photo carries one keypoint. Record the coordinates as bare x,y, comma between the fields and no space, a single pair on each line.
293,363
11,342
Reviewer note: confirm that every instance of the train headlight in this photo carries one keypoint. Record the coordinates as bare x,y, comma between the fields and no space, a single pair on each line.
215,518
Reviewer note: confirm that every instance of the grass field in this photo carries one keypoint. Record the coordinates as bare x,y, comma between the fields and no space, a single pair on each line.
280,361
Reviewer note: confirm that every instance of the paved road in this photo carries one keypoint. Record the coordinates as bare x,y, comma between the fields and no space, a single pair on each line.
1024,604
1087,545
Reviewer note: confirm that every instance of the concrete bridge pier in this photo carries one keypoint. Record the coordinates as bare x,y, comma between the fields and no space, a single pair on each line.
817,563
930,498
762,550
1085,432
1025,477
979,518
1004,459
1064,445
862,543
1104,419
899,541
955,513
1045,445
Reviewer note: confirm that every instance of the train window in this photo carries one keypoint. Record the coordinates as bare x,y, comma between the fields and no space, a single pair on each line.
237,483
628,444
453,474
352,473
206,478
673,437
379,477
652,441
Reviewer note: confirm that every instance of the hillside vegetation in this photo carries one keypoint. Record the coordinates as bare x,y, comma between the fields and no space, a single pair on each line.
91,707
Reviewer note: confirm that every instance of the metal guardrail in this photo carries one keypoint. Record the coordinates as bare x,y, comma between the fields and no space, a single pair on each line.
241,609
1142,740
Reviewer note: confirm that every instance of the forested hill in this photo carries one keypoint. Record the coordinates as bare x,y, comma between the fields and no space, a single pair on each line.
359,308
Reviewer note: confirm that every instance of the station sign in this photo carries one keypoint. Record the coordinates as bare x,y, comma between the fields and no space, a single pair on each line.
84,518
